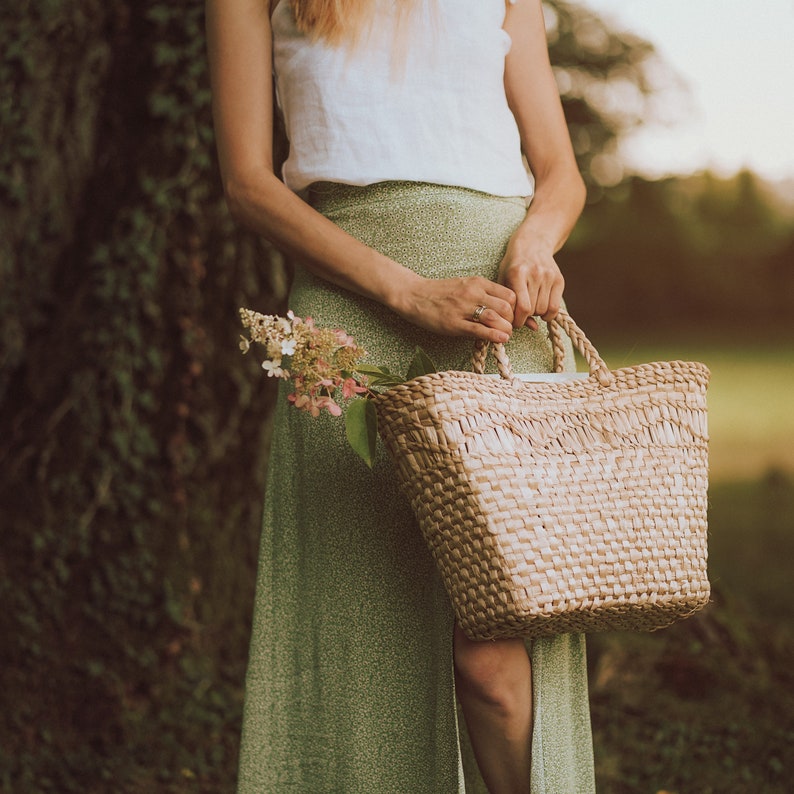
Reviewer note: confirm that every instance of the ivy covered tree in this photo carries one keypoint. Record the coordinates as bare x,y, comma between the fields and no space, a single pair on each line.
131,432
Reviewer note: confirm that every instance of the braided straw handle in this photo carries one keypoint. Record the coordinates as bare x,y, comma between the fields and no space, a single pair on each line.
563,322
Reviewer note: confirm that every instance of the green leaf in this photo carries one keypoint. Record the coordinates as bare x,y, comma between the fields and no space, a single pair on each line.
378,376
361,427
369,369
421,364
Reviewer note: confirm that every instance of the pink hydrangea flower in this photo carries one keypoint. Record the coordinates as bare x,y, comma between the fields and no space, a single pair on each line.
350,388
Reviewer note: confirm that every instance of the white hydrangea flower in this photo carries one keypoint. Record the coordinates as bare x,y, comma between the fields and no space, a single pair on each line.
273,368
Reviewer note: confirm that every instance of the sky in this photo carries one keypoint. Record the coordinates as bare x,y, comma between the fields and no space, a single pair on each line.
737,59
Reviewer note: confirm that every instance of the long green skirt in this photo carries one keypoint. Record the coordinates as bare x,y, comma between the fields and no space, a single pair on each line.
350,686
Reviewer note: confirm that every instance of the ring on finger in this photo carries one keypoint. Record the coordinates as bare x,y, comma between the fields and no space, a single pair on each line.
477,313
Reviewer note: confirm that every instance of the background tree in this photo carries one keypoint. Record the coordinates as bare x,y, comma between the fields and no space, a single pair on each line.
688,253
131,432
608,82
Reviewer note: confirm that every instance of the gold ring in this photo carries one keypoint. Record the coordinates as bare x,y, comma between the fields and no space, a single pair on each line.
478,313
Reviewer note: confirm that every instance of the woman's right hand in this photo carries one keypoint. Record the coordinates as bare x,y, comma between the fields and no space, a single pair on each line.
449,306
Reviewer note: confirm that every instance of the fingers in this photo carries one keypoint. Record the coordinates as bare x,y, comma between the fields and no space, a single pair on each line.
538,286
472,306
497,309
489,333
491,325
555,300
492,317
499,292
525,305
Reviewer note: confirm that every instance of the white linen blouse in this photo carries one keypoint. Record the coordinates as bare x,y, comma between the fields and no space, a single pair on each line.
418,98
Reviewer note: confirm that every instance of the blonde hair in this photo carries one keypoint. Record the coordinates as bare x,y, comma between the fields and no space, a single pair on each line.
337,21
334,21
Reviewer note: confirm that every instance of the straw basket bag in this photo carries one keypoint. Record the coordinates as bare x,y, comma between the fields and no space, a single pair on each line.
571,505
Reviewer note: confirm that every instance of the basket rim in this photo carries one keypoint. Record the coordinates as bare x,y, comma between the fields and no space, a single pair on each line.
494,383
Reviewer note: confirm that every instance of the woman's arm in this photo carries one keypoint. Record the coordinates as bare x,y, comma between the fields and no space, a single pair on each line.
240,52
529,268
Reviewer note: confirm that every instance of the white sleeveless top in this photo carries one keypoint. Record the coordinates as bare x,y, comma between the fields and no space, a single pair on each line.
435,113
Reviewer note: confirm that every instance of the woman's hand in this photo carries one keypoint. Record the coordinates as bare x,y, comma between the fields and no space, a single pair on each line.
451,306
530,271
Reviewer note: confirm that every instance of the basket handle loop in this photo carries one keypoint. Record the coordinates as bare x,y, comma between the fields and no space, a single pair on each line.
562,323
480,354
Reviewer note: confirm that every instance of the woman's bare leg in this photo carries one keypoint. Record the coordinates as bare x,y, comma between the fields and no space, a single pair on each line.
494,686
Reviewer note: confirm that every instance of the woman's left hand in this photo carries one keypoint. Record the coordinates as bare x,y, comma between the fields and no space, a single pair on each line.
529,269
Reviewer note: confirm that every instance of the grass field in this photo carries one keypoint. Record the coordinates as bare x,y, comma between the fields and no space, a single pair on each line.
750,398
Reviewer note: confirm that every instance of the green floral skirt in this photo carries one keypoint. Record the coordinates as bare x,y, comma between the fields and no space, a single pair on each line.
350,686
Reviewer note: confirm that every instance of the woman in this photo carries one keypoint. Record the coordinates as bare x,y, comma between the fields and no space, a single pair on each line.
405,203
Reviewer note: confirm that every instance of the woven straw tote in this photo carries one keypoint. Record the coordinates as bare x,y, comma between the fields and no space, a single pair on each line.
574,505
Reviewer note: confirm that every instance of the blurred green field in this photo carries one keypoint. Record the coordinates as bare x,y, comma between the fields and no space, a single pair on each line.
710,700
750,398
751,466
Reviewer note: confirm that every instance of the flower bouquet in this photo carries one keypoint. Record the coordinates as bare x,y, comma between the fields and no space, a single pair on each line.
325,365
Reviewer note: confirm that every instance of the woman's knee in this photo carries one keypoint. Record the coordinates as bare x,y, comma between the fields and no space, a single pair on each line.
497,672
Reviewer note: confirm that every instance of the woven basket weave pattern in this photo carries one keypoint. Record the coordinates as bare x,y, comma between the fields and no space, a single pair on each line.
558,507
